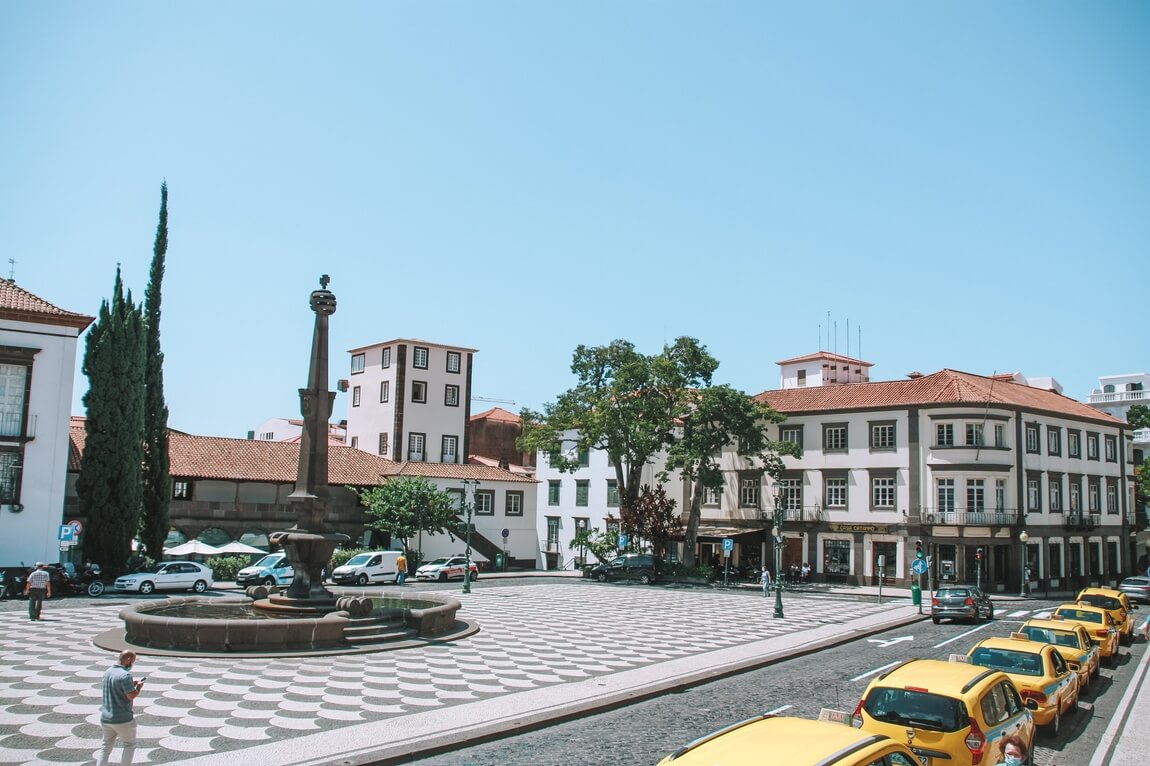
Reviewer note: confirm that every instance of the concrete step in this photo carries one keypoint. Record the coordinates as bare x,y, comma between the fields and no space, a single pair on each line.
373,630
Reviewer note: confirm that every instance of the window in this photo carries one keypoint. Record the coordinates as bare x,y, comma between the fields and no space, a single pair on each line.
974,434
13,391
584,457
419,391
513,504
792,435
415,446
484,502
356,363
944,435
882,436
1091,446
453,358
749,490
355,442
1111,449
383,443
791,493
1055,560
582,492
1000,435
1056,495
835,493
802,377
1033,495
1093,497
835,437
553,488
612,494
384,390
1053,440
355,396
1111,498
552,533
975,495
1074,443
1032,437
1075,495
181,490
1000,495
945,491
456,499
385,357
451,395
712,495
419,358
449,452
882,494
837,557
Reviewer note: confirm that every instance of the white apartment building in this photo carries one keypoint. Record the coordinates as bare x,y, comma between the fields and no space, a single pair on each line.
1114,396
410,400
291,430
37,366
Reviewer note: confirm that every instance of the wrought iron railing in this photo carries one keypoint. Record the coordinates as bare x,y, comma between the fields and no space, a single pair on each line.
999,517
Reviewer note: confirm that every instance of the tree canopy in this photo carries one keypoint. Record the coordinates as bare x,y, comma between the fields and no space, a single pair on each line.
157,479
404,506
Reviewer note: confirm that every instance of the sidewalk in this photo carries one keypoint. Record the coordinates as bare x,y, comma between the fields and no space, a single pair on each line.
1127,738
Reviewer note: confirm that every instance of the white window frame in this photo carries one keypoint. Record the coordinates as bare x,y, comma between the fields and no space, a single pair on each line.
419,392
358,363
419,357
454,356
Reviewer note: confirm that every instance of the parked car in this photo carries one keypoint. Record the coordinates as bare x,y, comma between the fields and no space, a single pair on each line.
1038,671
446,568
960,602
1117,603
1072,641
167,575
629,566
1137,588
1098,623
366,568
272,569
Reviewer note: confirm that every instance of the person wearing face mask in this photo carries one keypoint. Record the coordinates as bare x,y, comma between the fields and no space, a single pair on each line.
1013,750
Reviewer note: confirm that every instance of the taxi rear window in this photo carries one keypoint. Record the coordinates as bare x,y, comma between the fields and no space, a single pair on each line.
1022,663
1080,614
923,710
1106,602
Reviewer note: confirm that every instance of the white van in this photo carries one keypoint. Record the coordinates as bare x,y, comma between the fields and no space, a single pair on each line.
272,569
373,567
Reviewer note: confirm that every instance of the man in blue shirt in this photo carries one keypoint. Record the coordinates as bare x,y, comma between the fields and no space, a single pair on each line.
116,716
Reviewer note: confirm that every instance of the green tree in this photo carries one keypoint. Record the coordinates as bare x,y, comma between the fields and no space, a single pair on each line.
109,484
404,506
657,521
720,417
1138,416
157,479
624,403
599,542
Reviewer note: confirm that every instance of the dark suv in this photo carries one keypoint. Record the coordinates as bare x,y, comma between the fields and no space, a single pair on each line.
960,602
629,566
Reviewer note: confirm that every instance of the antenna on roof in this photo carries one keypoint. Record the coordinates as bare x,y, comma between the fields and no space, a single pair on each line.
12,270
848,336
486,399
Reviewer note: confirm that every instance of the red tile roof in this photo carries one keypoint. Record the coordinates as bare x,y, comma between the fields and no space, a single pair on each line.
939,388
497,413
455,471
829,357
19,305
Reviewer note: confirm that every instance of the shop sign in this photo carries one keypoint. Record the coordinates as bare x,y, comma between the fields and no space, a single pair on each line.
872,528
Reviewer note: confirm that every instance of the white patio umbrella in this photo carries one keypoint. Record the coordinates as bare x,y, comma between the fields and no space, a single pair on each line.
235,546
192,548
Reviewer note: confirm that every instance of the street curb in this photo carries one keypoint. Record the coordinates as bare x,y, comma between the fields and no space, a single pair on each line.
1107,752
393,741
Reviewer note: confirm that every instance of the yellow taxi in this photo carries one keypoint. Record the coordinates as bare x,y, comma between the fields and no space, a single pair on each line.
1117,603
957,712
1098,623
795,742
1072,642
1043,678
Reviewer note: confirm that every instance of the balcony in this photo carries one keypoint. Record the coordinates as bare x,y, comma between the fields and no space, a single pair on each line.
806,513
1117,397
959,517
1079,520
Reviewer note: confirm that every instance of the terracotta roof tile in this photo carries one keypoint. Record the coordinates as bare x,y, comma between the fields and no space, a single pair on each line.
497,413
455,471
942,387
18,304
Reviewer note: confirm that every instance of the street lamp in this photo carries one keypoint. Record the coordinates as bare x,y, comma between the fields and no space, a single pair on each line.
778,535
469,506
1022,538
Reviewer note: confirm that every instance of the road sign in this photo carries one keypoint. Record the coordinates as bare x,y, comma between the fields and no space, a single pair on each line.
506,533
76,523
622,541
728,544
66,533
918,566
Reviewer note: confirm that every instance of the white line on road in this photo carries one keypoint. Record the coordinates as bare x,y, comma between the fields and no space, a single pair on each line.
876,670
778,710
1019,614
960,635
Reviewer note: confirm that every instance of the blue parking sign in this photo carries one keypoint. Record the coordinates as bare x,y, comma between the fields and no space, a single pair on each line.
67,533
622,541
728,544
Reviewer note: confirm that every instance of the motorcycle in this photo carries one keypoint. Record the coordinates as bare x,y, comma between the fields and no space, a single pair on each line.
86,582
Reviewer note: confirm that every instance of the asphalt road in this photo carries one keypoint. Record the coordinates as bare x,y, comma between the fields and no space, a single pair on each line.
645,732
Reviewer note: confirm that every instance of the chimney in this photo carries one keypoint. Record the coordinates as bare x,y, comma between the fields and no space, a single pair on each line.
914,375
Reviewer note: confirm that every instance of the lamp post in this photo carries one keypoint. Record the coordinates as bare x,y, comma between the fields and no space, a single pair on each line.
778,535
1022,538
469,506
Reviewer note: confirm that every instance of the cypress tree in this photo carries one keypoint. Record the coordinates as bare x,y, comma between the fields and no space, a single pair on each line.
110,482
157,489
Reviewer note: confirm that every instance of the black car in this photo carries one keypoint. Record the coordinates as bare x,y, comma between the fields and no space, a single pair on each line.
629,566
961,602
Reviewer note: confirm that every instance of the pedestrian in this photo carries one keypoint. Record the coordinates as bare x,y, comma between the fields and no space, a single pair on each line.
1145,628
1013,750
38,587
116,715
765,579
806,573
400,569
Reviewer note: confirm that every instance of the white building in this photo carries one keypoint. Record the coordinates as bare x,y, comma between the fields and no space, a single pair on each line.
291,430
1115,395
410,400
822,369
37,366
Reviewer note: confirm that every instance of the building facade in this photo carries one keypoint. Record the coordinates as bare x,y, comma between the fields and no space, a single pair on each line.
38,348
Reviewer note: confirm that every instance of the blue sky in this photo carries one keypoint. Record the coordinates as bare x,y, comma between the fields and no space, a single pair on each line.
966,182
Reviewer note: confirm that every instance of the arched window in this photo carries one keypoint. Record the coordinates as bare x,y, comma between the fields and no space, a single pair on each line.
255,538
214,536
175,537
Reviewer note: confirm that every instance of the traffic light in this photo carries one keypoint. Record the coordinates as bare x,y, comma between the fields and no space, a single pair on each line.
918,549
978,555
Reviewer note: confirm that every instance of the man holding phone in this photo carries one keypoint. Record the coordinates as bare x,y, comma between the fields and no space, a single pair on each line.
116,715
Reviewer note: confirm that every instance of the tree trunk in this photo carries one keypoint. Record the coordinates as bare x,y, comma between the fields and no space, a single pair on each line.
691,534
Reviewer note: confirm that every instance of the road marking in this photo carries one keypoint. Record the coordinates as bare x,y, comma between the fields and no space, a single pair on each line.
1022,613
960,635
1043,615
778,710
876,670
887,642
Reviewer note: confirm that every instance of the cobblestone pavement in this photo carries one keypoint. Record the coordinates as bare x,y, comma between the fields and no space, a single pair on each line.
532,636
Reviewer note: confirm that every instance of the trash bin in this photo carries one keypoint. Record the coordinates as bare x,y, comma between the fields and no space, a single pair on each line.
915,594
499,562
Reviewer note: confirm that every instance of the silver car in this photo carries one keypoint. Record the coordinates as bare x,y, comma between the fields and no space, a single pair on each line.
167,575
1137,588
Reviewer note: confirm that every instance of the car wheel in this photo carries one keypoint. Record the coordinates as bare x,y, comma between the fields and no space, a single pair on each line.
474,576
443,576
269,581
95,589
1074,705
1055,726
147,587
361,580
990,614
601,577
200,586
645,578
934,620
